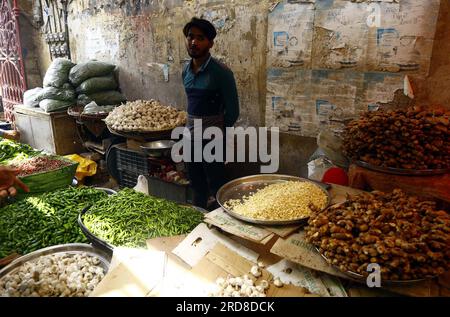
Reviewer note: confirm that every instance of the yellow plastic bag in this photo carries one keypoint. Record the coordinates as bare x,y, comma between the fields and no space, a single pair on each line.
85,167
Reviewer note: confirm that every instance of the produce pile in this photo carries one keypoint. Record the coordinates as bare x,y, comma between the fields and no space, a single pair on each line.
44,220
10,150
281,201
56,275
38,164
145,116
129,218
415,139
245,286
408,238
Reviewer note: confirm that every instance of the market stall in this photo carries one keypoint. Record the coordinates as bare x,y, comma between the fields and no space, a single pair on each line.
224,255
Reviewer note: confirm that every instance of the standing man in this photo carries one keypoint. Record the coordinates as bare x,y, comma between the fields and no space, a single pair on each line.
212,97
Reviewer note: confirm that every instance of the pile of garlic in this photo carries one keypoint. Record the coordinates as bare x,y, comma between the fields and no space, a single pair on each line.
244,286
145,116
57,275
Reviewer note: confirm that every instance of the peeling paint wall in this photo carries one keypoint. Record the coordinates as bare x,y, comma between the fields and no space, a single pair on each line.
30,53
144,38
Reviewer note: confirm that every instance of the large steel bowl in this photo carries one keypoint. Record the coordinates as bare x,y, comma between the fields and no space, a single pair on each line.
72,248
246,186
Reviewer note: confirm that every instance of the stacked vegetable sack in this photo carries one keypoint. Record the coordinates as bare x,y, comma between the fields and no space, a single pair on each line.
66,84
95,81
58,93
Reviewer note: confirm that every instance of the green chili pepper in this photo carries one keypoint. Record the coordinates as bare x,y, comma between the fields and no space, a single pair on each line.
130,218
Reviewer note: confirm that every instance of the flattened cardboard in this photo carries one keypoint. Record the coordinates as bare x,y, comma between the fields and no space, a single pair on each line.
221,261
297,250
234,226
283,231
133,273
202,239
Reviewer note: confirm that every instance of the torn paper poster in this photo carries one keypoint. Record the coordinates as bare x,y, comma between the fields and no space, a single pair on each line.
290,34
379,88
407,87
334,94
403,41
340,36
289,102
101,45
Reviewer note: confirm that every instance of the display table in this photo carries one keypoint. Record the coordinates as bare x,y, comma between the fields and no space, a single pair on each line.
53,132
180,279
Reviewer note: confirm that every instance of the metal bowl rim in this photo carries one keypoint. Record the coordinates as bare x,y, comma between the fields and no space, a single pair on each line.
61,248
274,176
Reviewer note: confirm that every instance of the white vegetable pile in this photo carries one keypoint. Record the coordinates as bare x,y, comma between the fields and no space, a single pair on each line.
145,116
58,275
244,286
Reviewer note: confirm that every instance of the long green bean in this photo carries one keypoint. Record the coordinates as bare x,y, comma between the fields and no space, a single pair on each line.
44,220
130,218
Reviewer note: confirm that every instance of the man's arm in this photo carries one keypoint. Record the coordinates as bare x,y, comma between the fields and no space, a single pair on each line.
231,99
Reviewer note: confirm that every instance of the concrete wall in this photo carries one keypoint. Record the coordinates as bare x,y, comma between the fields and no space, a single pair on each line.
435,90
143,37
29,34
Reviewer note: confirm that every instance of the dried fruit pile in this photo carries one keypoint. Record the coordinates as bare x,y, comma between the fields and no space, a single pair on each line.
409,239
414,139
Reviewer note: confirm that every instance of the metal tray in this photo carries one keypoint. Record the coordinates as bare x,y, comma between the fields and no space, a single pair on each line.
102,244
362,279
72,248
401,171
245,186
143,136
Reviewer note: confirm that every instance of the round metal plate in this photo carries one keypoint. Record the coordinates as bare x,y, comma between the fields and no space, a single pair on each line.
400,171
141,135
246,186
105,246
72,248
360,278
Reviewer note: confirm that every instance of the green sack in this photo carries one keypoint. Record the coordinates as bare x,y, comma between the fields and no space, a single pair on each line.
84,71
97,84
32,97
58,73
50,105
62,94
83,100
111,97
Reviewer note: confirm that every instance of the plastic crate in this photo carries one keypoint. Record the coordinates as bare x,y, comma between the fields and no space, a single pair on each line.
127,178
131,160
170,191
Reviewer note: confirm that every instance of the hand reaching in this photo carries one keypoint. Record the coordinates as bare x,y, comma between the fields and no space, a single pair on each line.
9,182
